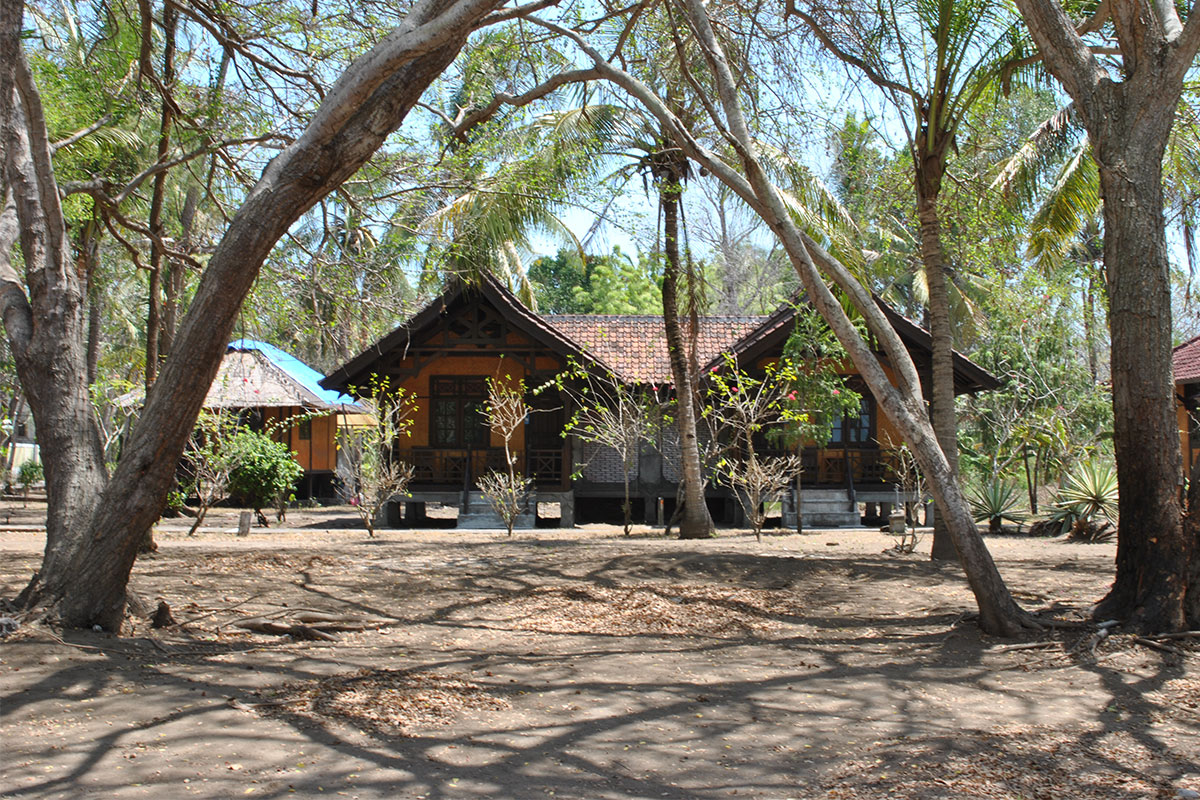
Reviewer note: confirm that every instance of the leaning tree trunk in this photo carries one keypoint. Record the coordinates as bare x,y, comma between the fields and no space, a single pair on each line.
696,522
96,533
998,612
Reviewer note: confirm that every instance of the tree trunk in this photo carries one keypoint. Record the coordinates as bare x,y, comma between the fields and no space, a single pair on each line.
94,528
1128,117
696,522
1089,322
931,169
1151,552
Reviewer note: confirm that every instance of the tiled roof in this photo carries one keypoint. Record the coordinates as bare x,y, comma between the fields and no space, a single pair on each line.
635,346
1185,360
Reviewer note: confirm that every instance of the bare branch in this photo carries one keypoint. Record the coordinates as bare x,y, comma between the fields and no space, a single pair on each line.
480,116
229,38
80,134
204,150
518,12
826,39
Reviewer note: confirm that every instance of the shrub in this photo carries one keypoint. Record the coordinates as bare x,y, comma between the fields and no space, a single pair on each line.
30,473
265,471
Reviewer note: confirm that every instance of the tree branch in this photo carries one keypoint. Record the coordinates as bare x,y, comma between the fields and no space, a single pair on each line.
841,54
1168,18
1189,40
1063,50
14,305
518,12
482,115
204,150
80,134
35,192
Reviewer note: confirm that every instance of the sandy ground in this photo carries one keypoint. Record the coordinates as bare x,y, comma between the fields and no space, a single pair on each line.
584,664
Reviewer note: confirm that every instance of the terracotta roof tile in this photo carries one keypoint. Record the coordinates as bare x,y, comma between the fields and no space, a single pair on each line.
635,346
1185,360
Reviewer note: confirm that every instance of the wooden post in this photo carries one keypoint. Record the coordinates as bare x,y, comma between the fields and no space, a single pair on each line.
244,523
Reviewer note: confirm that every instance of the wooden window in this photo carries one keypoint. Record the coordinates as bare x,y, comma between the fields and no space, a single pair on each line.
856,430
306,429
457,419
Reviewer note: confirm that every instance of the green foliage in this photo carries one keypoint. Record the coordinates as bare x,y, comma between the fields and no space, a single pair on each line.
1049,412
817,394
265,470
995,502
602,284
176,500
29,473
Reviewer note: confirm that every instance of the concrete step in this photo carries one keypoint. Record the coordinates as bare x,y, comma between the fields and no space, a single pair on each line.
481,516
823,508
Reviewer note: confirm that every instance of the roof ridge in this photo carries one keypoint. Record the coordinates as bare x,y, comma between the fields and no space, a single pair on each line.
1192,340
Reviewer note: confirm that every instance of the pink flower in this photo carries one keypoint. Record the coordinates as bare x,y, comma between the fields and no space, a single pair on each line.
791,395
714,369
836,392
734,390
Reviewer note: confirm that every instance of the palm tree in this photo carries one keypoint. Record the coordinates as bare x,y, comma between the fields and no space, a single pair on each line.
933,61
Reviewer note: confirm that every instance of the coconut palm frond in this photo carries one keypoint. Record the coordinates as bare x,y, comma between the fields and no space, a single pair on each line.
515,275
815,206
1022,174
1181,178
588,124
1066,209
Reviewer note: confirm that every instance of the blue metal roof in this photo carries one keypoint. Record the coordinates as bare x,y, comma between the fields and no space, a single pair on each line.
302,373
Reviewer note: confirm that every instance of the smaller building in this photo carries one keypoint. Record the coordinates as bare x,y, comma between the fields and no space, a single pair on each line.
1185,363
276,392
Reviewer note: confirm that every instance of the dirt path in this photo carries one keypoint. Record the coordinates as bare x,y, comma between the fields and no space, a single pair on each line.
581,664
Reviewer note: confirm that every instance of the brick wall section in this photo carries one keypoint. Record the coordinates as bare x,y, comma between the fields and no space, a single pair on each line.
602,464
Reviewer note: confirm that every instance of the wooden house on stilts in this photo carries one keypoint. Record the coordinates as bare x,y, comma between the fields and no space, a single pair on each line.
445,354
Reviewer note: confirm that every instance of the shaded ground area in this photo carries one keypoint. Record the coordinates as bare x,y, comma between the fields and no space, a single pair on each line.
583,664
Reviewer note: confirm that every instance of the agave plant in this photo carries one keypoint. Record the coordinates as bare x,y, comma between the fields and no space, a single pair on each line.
1089,492
996,501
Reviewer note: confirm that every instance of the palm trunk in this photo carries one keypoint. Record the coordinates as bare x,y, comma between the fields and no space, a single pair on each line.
154,302
696,522
941,406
